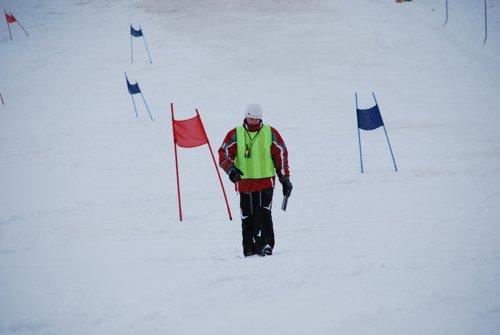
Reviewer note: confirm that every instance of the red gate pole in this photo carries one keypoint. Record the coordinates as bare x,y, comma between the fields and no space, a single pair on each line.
8,26
216,168
176,163
20,25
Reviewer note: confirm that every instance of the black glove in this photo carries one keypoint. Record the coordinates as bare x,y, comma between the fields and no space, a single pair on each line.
235,174
287,186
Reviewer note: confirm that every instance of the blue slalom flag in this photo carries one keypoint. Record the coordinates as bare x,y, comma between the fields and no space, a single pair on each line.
369,119
135,33
133,88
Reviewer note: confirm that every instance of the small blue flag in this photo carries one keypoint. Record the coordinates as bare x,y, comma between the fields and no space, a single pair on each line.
369,119
133,88
135,33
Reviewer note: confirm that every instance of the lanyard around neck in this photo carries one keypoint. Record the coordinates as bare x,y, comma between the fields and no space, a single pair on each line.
252,141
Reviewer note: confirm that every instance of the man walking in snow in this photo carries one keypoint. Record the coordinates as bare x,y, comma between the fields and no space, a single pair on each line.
252,155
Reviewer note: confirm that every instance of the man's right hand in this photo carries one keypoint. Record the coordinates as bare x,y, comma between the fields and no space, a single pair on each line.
235,174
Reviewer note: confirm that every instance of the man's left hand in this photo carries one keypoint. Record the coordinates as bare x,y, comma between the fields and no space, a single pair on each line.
287,186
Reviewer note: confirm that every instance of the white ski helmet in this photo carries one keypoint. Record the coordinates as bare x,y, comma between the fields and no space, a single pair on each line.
253,111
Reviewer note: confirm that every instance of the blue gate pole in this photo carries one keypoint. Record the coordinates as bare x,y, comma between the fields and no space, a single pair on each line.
359,136
360,155
131,46
387,137
392,155
485,22
144,38
446,13
147,106
135,108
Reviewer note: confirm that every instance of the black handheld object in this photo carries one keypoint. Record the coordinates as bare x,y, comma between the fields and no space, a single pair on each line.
284,203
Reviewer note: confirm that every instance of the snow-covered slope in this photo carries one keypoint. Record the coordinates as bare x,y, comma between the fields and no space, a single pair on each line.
90,241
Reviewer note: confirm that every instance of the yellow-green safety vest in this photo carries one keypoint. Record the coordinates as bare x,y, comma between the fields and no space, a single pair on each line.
260,163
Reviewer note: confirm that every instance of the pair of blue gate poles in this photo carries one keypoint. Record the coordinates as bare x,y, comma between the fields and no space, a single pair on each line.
370,119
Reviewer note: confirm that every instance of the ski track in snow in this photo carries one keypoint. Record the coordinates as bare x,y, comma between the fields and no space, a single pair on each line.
90,241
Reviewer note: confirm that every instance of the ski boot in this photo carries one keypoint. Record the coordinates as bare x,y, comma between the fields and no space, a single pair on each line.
267,250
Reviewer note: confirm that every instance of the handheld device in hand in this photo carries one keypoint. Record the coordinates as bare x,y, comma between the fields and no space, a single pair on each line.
284,203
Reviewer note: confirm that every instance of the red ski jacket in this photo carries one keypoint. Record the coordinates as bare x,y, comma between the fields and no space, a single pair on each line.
227,154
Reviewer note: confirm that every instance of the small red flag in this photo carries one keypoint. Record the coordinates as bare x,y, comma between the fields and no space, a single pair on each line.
189,133
10,18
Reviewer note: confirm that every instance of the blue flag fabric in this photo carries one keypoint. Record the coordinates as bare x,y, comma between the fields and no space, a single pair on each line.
133,88
369,119
135,33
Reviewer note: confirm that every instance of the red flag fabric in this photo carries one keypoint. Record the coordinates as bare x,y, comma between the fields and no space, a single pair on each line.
189,133
10,18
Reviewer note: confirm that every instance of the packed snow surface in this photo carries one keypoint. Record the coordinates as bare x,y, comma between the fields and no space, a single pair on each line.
90,240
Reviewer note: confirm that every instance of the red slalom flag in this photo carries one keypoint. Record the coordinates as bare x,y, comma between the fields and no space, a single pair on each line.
10,18
189,133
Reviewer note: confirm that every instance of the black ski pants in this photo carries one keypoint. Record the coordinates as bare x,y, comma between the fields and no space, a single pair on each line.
256,220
